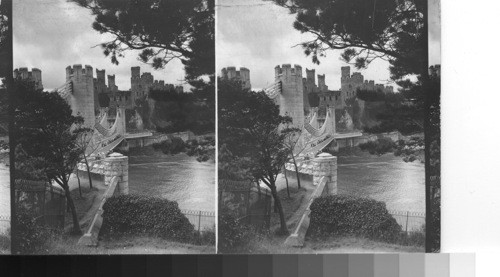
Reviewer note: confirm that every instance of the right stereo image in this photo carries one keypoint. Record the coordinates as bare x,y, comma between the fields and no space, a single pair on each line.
328,126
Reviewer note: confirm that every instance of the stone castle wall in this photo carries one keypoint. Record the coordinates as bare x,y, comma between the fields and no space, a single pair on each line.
291,99
351,83
82,99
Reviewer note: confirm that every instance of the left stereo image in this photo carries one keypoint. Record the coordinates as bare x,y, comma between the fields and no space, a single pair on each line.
113,133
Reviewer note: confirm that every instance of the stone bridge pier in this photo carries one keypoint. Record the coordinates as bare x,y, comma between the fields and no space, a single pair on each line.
325,180
116,165
325,166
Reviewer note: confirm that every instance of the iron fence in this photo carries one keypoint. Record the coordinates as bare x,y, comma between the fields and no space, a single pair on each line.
203,221
4,224
409,221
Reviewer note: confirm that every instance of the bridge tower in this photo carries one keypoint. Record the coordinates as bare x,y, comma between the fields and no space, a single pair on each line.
82,99
291,99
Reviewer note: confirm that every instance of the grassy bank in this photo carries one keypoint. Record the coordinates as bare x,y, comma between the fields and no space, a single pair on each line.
124,245
4,244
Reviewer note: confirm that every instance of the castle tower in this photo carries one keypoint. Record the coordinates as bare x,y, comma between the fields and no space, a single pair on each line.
135,83
99,85
321,83
82,99
310,76
245,77
35,76
291,99
346,73
242,75
223,73
111,83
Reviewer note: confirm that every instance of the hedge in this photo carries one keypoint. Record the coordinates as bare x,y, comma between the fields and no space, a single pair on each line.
31,235
350,215
379,147
232,233
137,214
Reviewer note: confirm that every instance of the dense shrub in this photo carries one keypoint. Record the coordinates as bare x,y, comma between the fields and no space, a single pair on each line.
232,233
134,214
173,146
349,215
379,147
410,149
203,150
31,234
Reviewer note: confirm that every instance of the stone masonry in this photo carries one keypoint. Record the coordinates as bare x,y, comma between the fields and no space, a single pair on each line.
325,165
117,165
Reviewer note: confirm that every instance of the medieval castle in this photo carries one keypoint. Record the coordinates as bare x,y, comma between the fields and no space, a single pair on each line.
82,89
295,90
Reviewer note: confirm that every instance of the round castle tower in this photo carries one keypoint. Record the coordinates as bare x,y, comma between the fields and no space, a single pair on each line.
82,99
291,99
242,75
35,76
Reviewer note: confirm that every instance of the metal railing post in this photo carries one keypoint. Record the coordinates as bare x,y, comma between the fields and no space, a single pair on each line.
199,221
407,215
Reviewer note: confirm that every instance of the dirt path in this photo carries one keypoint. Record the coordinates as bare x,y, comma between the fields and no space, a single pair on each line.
295,206
87,205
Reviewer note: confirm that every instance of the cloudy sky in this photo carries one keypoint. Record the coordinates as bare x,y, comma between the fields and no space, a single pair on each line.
52,34
259,35
434,32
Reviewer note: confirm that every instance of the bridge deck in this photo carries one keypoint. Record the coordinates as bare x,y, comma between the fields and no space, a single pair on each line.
138,135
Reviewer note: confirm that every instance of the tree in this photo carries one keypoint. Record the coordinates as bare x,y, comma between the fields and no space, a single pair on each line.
365,30
163,30
5,38
47,134
291,141
85,135
250,126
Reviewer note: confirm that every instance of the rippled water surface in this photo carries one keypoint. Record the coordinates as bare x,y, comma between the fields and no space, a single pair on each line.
179,177
4,190
386,178
4,197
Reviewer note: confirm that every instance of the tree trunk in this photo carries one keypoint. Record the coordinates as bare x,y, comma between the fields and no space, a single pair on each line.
286,179
71,205
88,169
296,170
277,205
79,186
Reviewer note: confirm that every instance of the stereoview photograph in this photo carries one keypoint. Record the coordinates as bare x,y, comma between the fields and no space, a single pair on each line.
114,127
5,215
322,126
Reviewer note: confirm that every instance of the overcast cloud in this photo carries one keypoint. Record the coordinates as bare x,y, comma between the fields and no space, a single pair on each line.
434,32
52,34
259,35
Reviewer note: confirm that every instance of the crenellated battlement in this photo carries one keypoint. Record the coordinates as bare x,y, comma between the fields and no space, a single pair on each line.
35,75
101,74
287,70
242,75
351,83
82,99
291,100
78,72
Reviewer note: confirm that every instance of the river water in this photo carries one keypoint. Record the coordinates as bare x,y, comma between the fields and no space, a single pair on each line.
385,178
180,178
4,197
